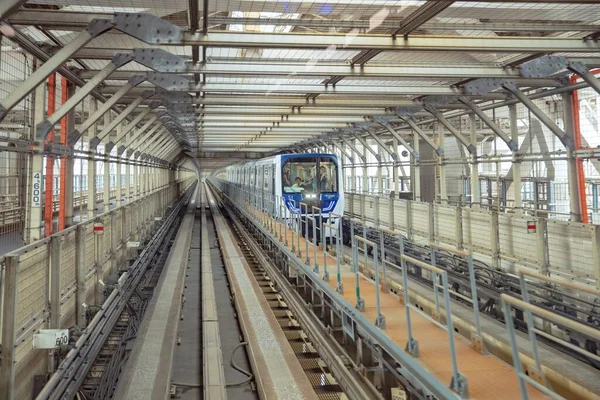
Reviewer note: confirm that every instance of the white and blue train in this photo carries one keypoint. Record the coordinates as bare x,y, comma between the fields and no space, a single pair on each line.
313,179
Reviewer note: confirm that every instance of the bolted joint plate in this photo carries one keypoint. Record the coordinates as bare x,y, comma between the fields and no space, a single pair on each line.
136,80
74,137
121,59
407,111
543,66
98,26
483,86
137,154
154,104
129,153
148,28
168,82
159,60
42,129
108,147
94,142
439,100
120,150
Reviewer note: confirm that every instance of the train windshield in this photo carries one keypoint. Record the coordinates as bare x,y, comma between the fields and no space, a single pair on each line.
310,175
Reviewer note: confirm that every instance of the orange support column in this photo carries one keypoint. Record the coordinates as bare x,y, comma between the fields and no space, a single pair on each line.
49,190
62,204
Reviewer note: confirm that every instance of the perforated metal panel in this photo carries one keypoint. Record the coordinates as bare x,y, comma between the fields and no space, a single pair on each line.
106,237
370,211
444,220
400,214
570,251
384,211
514,240
32,285
67,262
476,230
420,219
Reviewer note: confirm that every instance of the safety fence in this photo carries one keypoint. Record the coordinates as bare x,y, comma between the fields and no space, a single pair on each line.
564,249
52,282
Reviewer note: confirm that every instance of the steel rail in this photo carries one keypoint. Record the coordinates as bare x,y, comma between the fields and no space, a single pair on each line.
65,382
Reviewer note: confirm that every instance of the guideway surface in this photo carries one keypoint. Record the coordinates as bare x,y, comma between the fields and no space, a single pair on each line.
277,371
487,376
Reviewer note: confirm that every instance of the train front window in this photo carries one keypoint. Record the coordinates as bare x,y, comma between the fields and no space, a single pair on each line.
310,175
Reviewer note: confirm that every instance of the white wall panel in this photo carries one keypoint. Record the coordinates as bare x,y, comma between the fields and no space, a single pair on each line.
420,219
515,241
476,230
570,251
444,220
400,207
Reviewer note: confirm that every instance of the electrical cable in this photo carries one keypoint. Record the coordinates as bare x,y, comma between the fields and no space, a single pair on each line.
237,367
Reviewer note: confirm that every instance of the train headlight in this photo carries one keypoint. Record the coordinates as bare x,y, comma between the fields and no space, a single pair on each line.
311,196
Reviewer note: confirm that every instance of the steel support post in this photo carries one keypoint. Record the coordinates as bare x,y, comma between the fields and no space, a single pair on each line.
415,175
514,131
91,184
80,272
99,255
75,135
577,194
33,205
9,317
55,257
69,164
475,195
442,166
119,194
440,117
135,180
43,128
396,182
106,183
581,70
94,28
113,244
379,181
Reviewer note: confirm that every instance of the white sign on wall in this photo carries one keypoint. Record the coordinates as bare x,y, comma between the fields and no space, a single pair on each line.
50,338
36,190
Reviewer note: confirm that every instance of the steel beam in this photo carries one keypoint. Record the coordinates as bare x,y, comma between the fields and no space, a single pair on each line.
116,121
136,121
427,90
65,20
353,148
44,127
438,115
8,7
413,125
73,137
567,140
397,136
302,70
488,121
384,146
509,44
95,28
